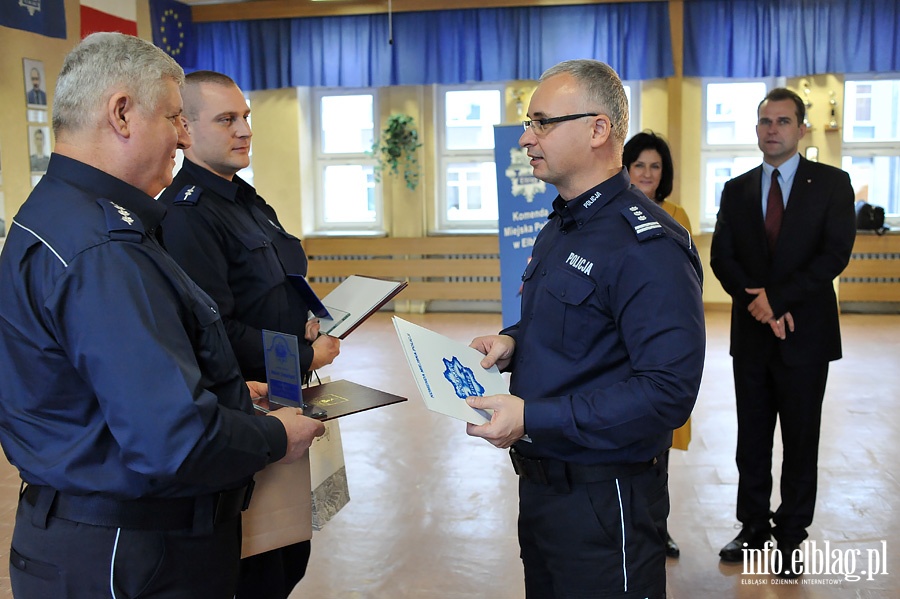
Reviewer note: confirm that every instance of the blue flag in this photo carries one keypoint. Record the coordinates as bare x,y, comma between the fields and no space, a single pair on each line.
46,17
173,30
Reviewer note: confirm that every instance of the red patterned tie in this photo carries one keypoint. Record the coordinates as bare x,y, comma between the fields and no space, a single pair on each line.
774,212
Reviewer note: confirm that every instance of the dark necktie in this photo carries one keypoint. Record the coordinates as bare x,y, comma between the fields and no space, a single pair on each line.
774,212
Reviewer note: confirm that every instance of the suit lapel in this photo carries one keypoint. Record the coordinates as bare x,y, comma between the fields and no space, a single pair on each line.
753,208
797,203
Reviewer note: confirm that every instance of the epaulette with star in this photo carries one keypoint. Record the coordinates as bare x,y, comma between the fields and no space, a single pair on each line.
122,224
645,226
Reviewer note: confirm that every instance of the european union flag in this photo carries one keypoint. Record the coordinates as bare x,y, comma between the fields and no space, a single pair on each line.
46,17
173,30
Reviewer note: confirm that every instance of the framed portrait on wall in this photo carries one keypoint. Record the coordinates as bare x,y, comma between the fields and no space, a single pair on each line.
39,148
35,82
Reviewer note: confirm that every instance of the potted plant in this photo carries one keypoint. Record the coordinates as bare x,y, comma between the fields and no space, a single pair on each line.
397,146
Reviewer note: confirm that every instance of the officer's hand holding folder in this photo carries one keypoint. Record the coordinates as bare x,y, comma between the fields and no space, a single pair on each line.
447,372
349,304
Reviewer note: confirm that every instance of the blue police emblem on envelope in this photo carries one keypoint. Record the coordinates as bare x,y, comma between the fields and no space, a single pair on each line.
462,378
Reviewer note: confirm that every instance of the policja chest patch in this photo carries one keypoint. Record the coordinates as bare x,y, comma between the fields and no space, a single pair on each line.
645,227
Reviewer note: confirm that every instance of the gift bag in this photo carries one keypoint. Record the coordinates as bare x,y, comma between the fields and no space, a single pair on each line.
328,476
279,512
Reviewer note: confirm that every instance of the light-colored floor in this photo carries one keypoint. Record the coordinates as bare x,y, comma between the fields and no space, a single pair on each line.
432,511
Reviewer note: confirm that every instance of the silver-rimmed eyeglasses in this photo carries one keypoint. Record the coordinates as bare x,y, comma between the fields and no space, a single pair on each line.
539,125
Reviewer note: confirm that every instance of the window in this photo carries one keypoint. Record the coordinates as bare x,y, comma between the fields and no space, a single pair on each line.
728,147
347,198
467,196
247,173
871,132
634,108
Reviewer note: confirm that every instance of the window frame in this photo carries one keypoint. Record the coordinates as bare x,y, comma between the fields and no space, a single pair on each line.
711,152
871,148
445,156
322,160
634,107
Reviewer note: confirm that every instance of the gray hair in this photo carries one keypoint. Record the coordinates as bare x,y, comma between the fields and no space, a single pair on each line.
99,63
603,89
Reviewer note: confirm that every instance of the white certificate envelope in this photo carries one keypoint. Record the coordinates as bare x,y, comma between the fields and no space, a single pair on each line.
447,371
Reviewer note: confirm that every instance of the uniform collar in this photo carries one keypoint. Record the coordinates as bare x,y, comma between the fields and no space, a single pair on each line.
234,190
578,211
103,185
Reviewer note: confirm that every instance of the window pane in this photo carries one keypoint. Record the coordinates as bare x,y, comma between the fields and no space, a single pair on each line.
347,124
349,193
471,191
731,112
718,173
470,119
634,108
876,179
871,111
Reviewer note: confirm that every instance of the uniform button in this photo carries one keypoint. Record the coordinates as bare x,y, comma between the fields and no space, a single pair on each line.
213,310
581,222
565,232
544,271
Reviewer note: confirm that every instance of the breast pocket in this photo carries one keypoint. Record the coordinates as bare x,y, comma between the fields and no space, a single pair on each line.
261,260
566,310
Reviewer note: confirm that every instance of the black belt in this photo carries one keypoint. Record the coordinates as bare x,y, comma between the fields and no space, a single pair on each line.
553,472
175,513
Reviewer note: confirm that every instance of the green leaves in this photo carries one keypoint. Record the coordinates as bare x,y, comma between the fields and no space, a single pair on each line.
396,148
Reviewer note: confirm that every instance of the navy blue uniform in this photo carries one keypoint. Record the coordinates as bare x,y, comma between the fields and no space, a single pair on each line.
608,358
119,386
231,243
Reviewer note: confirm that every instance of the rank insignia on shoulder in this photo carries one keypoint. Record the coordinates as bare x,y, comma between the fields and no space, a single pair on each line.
645,226
122,224
189,194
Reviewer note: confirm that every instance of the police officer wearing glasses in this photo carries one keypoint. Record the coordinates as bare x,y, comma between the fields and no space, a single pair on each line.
600,375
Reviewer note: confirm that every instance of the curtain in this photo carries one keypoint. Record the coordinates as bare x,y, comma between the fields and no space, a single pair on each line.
790,38
442,47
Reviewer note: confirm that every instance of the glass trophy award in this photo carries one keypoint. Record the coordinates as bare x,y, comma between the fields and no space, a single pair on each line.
283,373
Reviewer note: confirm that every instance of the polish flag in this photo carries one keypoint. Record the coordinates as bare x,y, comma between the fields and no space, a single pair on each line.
108,15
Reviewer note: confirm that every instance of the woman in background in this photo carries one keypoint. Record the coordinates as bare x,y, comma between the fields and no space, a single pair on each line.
649,163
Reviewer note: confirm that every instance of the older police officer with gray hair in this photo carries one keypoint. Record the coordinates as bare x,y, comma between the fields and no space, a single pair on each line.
122,404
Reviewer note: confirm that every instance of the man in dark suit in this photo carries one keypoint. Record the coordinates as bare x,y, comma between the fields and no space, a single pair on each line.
784,231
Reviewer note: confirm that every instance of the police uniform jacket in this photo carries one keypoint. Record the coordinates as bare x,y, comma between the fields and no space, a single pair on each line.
610,345
117,377
231,243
